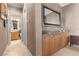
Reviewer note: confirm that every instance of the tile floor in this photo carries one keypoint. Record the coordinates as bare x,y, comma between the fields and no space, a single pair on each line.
16,48
68,51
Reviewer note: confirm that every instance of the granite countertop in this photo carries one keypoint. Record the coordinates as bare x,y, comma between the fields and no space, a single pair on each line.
48,33
53,30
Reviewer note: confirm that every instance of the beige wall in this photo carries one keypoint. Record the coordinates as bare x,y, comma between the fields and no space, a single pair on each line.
34,28
24,24
31,42
3,37
14,11
14,14
71,18
38,28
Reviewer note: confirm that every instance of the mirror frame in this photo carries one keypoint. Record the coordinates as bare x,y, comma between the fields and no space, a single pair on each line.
53,11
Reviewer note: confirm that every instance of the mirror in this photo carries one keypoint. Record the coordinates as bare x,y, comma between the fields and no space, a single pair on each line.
15,24
51,17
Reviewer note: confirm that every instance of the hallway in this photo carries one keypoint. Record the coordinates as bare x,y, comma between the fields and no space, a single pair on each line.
16,48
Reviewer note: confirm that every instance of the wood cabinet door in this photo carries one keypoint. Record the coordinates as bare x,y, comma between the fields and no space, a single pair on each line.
56,42
15,35
46,46
63,40
52,45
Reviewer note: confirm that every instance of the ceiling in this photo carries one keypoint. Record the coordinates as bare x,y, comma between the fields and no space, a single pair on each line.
63,4
18,5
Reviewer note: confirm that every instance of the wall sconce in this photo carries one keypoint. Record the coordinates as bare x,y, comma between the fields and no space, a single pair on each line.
4,18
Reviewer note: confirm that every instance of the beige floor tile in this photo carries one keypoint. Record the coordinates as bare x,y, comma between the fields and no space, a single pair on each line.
16,48
68,51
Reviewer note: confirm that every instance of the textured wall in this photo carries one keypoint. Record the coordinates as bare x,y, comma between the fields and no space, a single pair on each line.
71,17
14,14
3,37
31,28
38,28
24,25
34,28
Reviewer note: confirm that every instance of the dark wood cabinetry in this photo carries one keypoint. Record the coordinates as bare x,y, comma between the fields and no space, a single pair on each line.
53,43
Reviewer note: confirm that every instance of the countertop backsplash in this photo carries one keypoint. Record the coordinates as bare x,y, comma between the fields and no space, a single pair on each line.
53,29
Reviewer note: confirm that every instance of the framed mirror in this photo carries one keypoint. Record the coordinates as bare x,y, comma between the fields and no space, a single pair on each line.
15,24
51,17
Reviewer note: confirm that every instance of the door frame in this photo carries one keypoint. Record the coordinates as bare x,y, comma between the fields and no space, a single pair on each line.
23,24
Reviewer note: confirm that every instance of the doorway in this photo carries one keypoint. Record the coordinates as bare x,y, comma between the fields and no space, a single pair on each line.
15,13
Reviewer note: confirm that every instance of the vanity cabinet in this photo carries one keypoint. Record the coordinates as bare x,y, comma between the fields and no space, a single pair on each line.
15,35
53,43
46,45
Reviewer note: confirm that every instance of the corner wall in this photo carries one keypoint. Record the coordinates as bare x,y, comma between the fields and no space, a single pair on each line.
31,41
71,18
38,28
34,28
3,38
